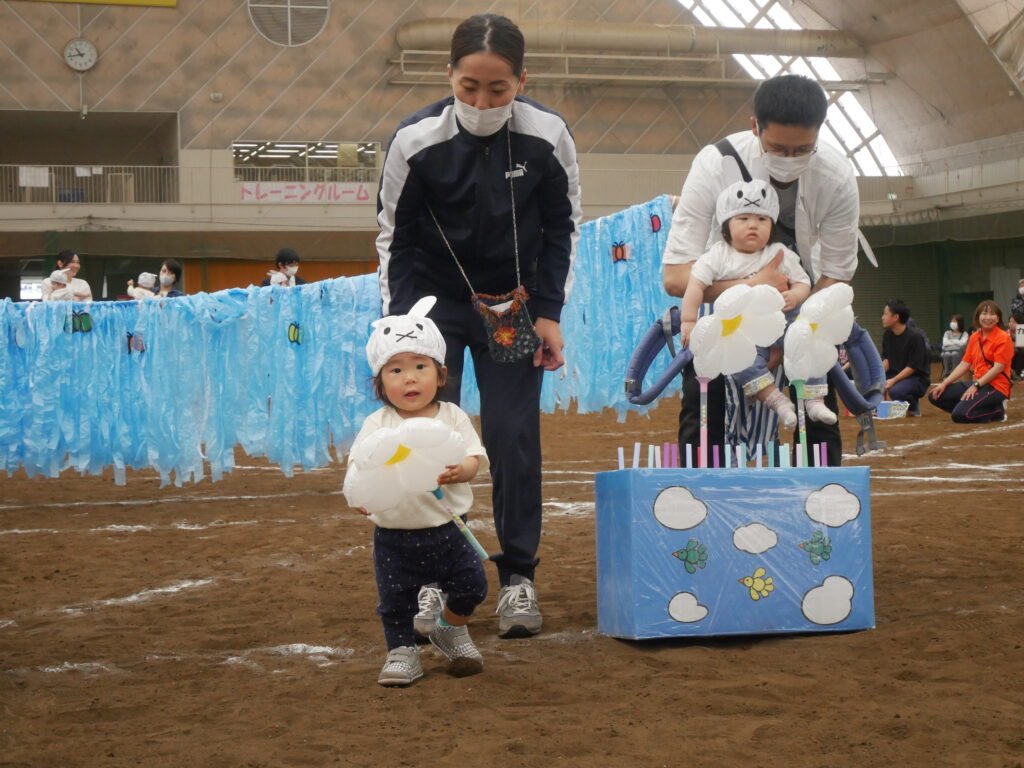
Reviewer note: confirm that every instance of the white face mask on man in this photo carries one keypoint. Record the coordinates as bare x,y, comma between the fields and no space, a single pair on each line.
785,169
166,280
291,270
482,122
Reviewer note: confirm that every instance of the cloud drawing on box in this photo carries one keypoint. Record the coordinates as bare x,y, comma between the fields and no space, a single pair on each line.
685,608
676,508
829,603
754,538
832,505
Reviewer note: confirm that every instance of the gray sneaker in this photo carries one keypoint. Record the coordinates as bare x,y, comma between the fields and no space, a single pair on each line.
401,668
518,612
457,646
431,603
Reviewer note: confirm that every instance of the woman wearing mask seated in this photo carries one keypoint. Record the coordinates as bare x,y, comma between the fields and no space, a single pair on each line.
170,274
954,342
988,357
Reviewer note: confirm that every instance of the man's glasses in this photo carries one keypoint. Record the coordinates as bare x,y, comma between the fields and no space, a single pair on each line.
788,152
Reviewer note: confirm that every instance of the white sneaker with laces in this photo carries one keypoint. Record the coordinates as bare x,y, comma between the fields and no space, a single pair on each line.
518,611
431,603
402,667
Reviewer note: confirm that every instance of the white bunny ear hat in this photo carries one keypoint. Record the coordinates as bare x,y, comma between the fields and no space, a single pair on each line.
414,332
754,196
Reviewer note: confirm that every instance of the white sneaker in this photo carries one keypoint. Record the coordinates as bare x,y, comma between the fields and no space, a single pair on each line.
401,668
457,646
431,603
518,611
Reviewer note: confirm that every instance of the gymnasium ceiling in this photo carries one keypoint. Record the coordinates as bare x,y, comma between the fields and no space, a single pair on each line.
948,89
943,73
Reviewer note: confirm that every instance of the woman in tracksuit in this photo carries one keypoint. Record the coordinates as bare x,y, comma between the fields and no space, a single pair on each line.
480,194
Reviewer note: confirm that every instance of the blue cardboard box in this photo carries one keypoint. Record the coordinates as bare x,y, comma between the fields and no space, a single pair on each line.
687,552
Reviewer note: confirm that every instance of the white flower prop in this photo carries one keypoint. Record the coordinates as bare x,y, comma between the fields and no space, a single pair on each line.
825,320
745,317
393,463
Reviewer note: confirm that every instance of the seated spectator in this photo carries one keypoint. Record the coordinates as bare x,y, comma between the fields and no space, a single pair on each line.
170,274
68,261
1017,331
954,342
146,289
905,358
987,357
287,268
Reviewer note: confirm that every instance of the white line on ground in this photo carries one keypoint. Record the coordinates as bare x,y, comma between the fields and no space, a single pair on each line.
167,500
139,597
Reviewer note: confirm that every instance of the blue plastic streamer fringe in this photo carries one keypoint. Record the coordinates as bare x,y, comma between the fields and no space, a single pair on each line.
175,385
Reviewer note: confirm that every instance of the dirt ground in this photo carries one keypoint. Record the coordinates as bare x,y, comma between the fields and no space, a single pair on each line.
233,625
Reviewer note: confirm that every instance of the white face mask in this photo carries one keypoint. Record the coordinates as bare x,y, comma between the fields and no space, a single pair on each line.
1020,291
785,169
292,270
166,280
482,122
952,327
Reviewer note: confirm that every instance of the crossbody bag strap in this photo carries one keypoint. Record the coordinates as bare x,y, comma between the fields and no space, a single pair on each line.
728,150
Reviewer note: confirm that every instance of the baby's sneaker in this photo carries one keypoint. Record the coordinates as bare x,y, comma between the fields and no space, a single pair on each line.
457,646
401,668
431,603
779,403
817,410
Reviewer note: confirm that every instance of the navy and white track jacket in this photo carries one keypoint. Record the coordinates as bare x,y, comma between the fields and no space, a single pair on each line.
432,161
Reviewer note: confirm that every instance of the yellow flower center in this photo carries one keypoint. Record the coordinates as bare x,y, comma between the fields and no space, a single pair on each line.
814,327
730,325
401,454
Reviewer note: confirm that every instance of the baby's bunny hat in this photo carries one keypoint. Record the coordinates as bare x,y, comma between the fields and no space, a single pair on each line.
754,196
414,332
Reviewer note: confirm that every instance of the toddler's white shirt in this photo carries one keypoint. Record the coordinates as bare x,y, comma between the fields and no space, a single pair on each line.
423,510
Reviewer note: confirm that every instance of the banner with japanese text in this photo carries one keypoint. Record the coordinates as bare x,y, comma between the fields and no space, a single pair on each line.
345,192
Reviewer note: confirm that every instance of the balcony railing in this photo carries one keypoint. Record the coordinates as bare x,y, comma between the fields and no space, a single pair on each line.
140,184
304,175
88,184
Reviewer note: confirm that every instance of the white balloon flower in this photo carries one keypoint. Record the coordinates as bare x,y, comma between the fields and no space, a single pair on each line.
825,320
745,317
394,463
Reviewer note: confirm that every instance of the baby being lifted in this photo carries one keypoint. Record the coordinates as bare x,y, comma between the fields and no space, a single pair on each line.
748,211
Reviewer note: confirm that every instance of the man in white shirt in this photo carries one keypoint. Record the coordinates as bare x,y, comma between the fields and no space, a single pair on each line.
818,217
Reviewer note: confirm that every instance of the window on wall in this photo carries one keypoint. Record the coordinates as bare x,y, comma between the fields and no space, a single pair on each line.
289,22
847,125
306,161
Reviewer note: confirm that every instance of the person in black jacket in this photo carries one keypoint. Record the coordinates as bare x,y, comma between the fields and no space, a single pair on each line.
480,197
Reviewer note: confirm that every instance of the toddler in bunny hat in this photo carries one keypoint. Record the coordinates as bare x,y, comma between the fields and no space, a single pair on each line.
416,542
747,212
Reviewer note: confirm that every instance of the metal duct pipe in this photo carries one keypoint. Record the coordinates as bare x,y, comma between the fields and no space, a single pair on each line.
543,35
